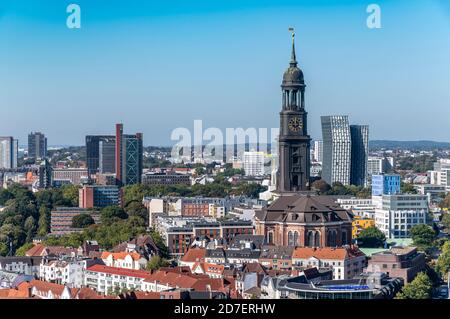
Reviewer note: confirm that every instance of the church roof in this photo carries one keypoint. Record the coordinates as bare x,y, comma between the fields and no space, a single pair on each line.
304,209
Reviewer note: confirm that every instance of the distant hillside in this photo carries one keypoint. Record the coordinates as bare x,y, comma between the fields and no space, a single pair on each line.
412,145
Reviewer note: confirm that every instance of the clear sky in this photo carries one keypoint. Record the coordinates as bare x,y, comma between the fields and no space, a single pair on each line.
157,65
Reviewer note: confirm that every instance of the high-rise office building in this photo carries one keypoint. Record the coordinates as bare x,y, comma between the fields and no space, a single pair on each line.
100,154
119,154
129,157
318,151
9,148
360,153
336,164
45,174
37,145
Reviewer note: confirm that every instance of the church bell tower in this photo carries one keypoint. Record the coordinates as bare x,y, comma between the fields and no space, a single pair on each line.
293,141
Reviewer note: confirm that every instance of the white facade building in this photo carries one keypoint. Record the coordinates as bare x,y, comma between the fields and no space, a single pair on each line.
69,273
318,151
440,175
254,163
398,213
106,279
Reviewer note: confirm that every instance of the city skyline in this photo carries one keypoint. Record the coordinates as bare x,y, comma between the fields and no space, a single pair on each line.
192,57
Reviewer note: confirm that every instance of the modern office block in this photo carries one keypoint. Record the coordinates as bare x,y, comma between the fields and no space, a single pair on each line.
360,153
37,145
336,165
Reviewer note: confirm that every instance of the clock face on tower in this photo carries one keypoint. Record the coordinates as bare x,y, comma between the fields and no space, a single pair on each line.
295,124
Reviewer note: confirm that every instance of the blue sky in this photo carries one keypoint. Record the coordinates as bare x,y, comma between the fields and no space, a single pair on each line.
161,65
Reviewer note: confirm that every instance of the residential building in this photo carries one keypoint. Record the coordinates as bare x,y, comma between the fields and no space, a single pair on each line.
359,154
98,196
61,219
254,163
37,145
399,213
21,265
9,148
68,272
276,257
106,279
337,149
73,176
126,260
401,262
167,178
345,262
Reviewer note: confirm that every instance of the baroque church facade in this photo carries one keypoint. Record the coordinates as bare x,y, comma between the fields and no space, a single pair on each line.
297,217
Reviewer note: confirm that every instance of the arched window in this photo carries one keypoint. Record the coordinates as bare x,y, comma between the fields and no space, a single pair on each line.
296,238
344,237
317,239
290,238
270,238
310,239
331,238
295,180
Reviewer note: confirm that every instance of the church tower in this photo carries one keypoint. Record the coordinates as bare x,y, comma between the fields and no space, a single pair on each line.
293,141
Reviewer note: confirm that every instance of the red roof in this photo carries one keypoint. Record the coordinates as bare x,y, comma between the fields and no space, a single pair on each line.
120,255
198,283
119,271
194,255
326,253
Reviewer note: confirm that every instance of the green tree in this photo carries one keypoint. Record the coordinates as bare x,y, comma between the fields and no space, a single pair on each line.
111,214
44,221
420,288
23,249
3,249
423,236
82,220
71,194
371,237
321,186
446,220
407,188
443,262
156,262
30,228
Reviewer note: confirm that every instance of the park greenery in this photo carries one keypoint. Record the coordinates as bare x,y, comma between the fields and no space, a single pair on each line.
371,237
27,214
424,237
323,188
420,288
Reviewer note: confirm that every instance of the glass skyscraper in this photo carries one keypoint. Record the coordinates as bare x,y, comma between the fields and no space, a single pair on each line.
9,148
336,165
360,153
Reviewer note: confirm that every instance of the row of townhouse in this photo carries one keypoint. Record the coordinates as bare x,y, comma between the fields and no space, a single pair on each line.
345,262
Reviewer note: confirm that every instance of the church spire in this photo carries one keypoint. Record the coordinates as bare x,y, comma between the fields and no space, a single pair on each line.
293,57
